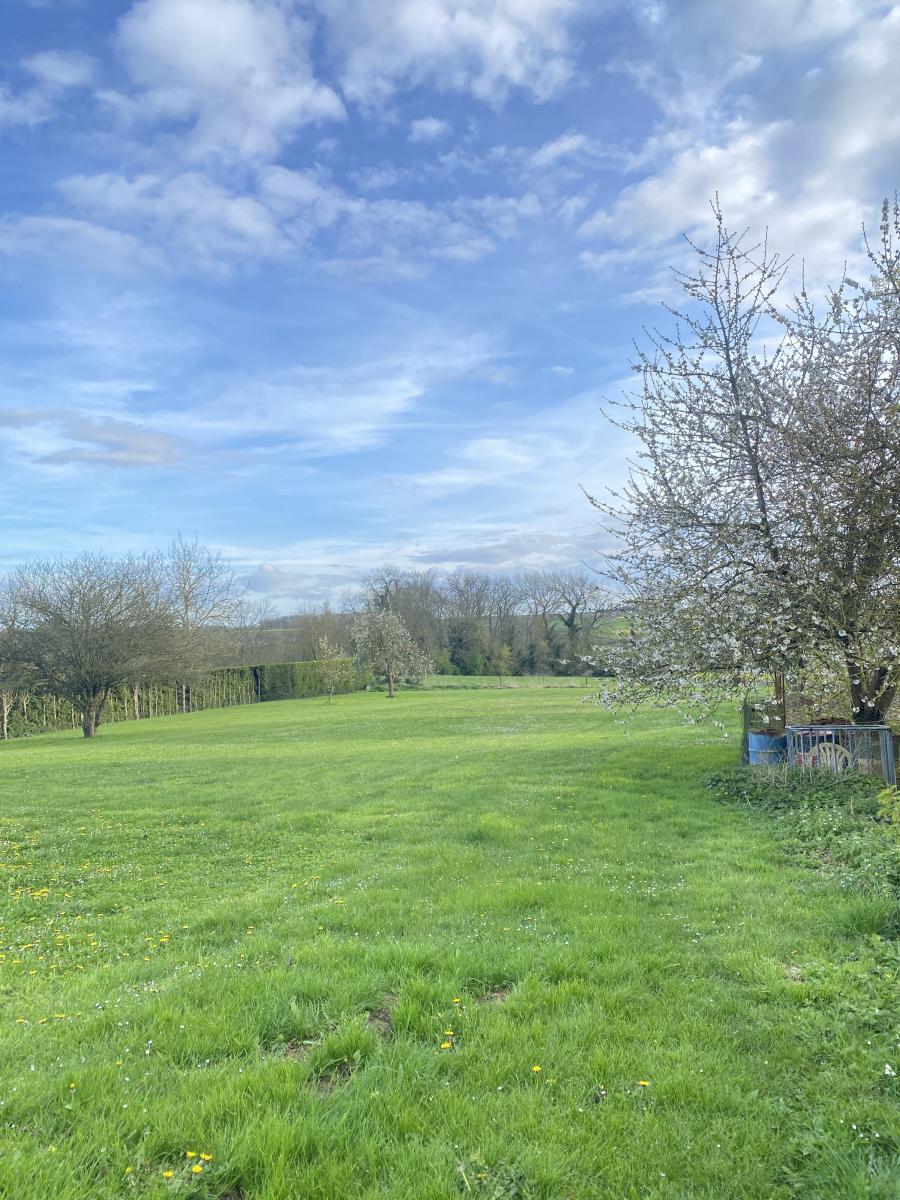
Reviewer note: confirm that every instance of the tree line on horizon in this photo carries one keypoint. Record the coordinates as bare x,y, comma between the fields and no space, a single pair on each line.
469,622
82,638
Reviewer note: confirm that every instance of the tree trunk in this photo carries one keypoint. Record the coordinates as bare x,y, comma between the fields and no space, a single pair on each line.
6,703
390,679
136,701
92,713
870,685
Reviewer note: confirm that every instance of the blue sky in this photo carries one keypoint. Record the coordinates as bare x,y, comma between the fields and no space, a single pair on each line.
337,282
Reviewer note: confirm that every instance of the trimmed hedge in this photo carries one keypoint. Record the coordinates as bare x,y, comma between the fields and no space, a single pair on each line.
221,688
301,680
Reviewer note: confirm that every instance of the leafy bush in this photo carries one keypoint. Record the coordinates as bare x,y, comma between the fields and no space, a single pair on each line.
840,824
775,788
889,809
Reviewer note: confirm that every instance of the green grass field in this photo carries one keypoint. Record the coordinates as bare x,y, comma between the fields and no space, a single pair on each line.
511,681
462,943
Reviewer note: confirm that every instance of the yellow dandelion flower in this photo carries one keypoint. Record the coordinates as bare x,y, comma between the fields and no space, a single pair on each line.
456,1000
129,1170
536,1068
191,1153
643,1083
206,1157
446,1045
448,1033
197,1169
168,1174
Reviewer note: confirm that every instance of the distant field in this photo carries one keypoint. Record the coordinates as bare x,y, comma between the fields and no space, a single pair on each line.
613,627
510,681
461,943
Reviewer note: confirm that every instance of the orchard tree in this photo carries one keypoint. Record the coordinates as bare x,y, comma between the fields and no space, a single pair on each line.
334,666
759,530
80,627
384,643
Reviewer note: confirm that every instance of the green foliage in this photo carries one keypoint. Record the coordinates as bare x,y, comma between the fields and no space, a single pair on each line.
301,680
889,809
498,1181
832,822
775,788
468,646
275,681
220,688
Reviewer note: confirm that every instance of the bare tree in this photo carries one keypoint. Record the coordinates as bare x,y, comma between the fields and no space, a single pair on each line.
580,601
760,530
10,674
206,600
380,586
384,643
469,594
80,627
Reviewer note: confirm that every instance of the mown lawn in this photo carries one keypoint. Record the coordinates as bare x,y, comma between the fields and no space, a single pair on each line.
248,934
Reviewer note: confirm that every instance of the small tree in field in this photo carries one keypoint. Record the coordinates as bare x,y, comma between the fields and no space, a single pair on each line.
383,641
759,531
80,627
503,662
334,667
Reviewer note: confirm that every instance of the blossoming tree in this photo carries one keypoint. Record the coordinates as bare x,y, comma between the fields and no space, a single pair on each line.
386,645
759,529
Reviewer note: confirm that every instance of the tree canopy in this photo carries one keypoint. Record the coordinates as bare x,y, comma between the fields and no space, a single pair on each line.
759,528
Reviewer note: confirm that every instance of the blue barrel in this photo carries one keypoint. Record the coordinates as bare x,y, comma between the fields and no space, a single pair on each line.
766,749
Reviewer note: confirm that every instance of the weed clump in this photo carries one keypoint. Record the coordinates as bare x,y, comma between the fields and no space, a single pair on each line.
839,824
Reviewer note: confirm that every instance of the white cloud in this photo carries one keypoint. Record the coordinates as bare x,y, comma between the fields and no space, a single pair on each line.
377,178
188,213
763,25
306,196
187,221
56,71
54,437
61,68
808,170
28,108
314,412
502,216
677,198
428,129
463,45
237,70
548,455
562,147
84,241
317,569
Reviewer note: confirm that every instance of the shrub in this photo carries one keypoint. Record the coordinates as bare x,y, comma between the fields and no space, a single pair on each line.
838,824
